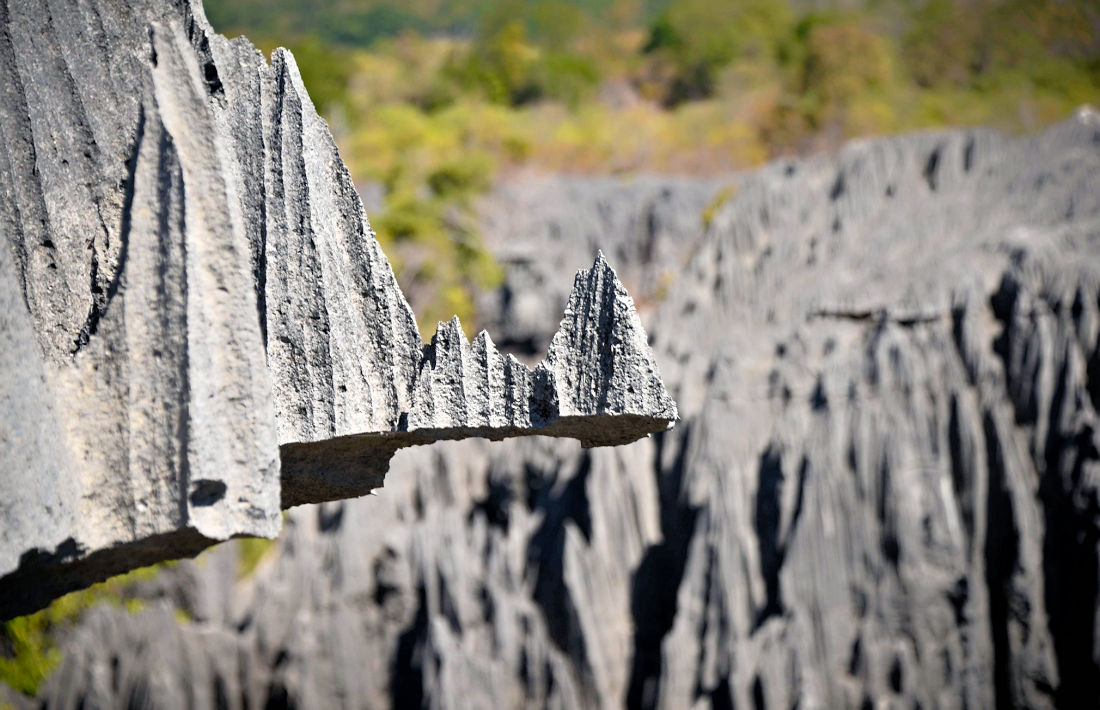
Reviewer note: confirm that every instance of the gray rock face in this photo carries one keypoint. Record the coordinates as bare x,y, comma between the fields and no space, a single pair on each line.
199,327
883,492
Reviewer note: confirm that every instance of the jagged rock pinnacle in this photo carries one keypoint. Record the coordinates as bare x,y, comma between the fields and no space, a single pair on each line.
199,326
599,384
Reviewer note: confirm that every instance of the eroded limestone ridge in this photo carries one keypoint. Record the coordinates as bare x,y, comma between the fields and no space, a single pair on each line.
598,384
198,325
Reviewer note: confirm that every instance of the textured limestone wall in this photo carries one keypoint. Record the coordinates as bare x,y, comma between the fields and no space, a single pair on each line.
199,327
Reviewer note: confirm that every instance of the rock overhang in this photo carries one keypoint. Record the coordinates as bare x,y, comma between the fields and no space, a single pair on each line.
598,384
200,328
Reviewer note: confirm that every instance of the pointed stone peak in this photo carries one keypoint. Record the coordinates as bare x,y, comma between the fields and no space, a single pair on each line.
599,382
600,356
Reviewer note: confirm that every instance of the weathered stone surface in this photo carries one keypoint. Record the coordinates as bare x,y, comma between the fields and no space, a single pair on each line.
199,327
598,384
883,491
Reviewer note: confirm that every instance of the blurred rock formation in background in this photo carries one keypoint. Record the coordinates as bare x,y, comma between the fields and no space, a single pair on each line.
883,491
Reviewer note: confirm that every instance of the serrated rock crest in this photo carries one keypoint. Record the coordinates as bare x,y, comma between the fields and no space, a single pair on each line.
203,323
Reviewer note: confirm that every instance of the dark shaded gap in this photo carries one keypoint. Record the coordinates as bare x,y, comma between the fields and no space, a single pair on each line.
657,579
891,545
1001,557
962,475
407,672
546,556
1070,536
713,598
968,155
278,697
766,520
221,697
1092,375
931,169
495,505
1071,542
721,698
838,188
330,516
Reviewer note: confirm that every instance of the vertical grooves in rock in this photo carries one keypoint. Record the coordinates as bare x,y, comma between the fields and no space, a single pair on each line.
920,565
563,510
949,473
170,167
407,672
1070,548
129,193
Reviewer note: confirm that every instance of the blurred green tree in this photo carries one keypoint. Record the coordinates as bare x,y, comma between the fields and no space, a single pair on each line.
840,75
498,63
697,38
557,23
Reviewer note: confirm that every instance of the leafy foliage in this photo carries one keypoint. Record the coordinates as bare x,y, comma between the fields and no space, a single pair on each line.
436,99
251,551
699,38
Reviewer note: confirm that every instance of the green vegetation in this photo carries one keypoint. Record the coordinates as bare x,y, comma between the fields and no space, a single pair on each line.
28,650
251,551
436,99
28,644
719,200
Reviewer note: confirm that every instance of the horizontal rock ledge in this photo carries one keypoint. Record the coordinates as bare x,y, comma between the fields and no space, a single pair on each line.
353,466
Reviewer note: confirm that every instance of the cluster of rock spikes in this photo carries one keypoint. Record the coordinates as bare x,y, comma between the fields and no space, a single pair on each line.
199,327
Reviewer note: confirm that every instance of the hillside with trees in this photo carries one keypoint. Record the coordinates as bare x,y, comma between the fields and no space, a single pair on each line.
433,100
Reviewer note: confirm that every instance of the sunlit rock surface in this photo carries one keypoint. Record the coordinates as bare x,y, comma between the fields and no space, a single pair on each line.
199,328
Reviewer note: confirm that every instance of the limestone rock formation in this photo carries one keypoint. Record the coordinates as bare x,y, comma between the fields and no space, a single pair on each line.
198,326
883,491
